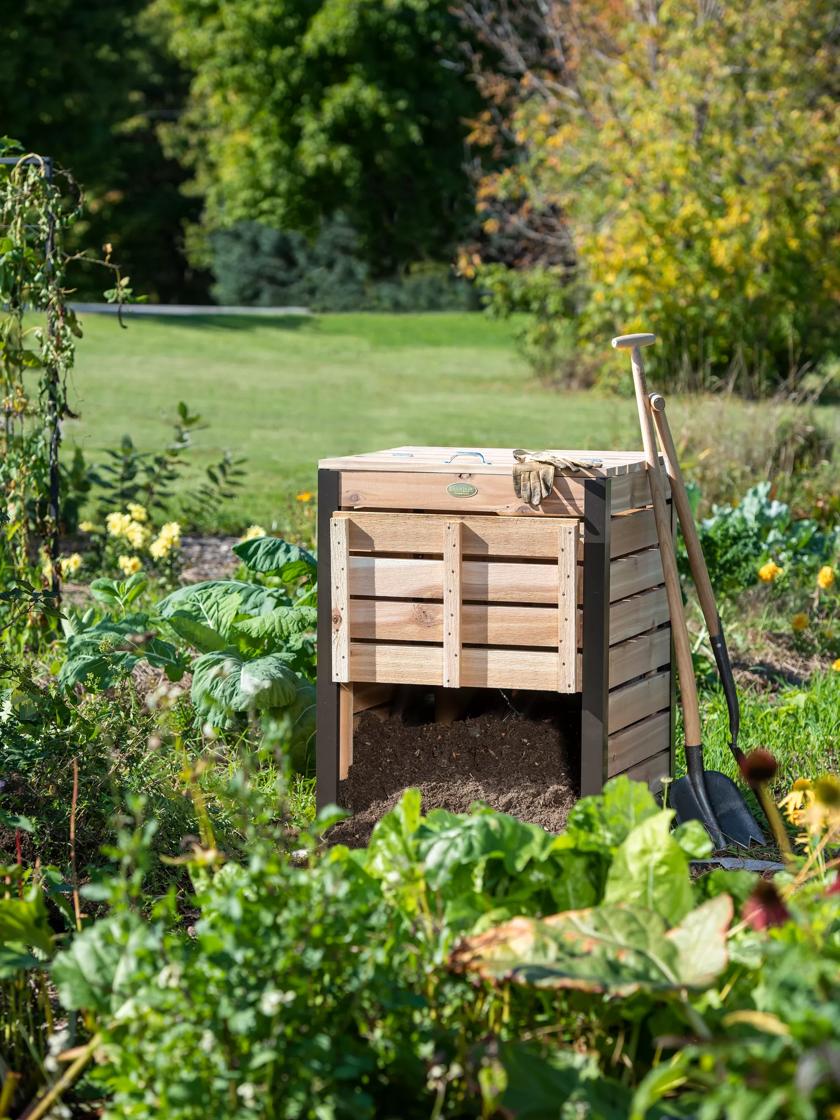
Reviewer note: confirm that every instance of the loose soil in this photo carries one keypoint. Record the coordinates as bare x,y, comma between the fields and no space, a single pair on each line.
517,765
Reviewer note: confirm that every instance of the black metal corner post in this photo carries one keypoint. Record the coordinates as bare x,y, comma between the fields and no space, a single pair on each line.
596,635
327,699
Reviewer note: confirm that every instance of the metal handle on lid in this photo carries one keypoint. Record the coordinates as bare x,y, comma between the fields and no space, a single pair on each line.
480,454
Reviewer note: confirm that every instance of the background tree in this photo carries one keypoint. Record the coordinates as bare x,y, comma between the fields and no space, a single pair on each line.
88,84
683,158
300,110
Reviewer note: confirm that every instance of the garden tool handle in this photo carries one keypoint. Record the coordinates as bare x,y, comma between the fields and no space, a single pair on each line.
699,569
480,454
679,630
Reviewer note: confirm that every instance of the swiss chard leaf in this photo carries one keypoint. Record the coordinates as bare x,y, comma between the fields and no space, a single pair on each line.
274,556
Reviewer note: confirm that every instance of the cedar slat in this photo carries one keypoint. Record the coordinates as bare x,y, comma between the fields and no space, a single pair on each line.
501,582
632,702
638,743
339,567
637,656
631,574
393,490
480,668
567,614
633,616
394,621
452,595
652,770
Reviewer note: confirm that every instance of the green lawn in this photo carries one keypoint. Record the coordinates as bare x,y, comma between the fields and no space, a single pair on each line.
285,392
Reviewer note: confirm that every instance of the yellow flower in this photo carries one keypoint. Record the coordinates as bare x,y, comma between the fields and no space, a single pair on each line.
138,512
835,665
87,527
252,532
160,548
304,496
117,523
136,534
70,564
171,531
795,800
800,621
825,577
128,565
768,572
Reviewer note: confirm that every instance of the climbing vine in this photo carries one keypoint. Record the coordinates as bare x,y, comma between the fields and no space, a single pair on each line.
38,332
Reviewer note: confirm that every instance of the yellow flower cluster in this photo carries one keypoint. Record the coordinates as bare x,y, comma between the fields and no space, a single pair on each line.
252,532
125,527
69,565
826,577
128,565
768,572
168,538
814,806
800,621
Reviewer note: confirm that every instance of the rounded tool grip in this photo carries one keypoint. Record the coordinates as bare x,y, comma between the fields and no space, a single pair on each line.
631,341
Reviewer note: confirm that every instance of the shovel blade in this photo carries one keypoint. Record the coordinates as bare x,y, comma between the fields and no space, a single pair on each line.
736,821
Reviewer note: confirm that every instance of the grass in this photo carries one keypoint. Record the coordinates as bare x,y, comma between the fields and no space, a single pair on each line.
285,392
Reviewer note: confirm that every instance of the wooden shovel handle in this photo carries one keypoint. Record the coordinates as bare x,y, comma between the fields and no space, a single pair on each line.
679,496
679,630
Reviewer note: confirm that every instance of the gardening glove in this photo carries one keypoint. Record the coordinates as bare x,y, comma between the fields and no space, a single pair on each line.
533,472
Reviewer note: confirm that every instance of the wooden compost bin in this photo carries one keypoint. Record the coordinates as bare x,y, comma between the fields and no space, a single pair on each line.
432,572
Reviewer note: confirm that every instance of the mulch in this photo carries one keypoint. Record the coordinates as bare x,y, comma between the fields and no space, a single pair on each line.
517,765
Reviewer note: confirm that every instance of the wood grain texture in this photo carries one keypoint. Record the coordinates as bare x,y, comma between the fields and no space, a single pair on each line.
633,616
478,460
639,742
452,568
632,531
632,574
370,695
422,621
567,613
638,656
652,771
500,582
345,730
480,668
339,565
641,698
494,493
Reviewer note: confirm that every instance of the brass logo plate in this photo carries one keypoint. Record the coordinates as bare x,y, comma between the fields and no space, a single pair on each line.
462,490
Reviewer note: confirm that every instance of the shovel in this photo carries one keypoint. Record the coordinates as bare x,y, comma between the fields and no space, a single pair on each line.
694,797
735,819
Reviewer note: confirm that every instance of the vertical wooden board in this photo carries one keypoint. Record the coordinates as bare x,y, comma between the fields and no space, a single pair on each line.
567,572
345,730
327,702
452,604
340,563
597,527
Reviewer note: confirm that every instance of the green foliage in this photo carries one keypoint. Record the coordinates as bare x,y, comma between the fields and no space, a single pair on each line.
689,154
299,111
91,99
255,265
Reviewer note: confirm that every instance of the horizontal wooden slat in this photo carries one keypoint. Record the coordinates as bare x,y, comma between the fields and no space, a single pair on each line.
531,537
633,616
632,702
500,582
494,493
637,656
480,668
477,460
632,492
632,531
631,574
389,621
651,771
638,743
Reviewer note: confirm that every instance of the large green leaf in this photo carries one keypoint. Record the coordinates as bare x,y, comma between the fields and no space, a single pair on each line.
605,820
92,974
101,655
650,869
225,683
279,625
23,922
612,949
274,556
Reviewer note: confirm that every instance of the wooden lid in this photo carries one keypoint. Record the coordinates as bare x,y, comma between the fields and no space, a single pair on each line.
477,460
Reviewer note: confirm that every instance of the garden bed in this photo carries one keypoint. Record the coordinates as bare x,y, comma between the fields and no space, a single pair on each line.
519,765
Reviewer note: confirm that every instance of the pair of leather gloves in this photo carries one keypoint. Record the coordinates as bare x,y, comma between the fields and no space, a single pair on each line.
533,472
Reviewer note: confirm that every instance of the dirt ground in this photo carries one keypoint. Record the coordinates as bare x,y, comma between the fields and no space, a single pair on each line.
518,765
